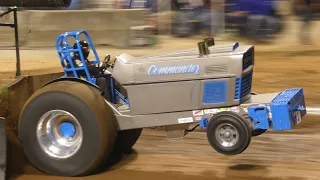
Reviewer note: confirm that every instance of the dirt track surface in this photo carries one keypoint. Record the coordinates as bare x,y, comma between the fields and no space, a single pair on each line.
290,155
272,156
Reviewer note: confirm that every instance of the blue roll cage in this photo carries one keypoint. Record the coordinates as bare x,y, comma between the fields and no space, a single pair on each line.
65,52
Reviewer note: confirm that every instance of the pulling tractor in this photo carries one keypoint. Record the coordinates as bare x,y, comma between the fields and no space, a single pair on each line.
74,124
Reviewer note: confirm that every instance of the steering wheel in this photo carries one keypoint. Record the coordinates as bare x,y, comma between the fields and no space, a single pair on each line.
106,63
107,58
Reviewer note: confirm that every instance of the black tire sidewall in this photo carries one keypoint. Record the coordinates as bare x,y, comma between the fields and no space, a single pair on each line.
85,159
258,132
236,121
126,139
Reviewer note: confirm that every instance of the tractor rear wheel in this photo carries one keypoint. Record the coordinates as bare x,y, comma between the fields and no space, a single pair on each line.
126,139
67,129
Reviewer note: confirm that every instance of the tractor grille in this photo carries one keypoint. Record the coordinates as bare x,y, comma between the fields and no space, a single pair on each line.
246,84
248,58
216,69
243,85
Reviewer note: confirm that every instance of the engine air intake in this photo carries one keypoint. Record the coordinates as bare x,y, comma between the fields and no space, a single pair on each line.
204,46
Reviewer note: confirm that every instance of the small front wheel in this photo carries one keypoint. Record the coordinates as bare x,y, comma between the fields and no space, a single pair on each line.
228,133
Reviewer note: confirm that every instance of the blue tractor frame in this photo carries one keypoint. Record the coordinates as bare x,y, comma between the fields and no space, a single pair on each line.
65,52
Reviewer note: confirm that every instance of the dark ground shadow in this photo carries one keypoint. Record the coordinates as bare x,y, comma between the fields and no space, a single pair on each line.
246,167
251,170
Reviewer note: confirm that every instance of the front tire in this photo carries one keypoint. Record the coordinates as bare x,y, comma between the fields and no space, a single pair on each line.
87,120
228,133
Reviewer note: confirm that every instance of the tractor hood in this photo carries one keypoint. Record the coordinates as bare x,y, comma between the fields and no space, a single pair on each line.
219,61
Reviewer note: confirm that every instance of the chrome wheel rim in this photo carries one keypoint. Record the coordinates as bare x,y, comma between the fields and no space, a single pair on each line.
227,135
59,134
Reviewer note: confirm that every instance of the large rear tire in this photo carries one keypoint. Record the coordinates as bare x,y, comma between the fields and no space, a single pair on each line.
126,140
94,129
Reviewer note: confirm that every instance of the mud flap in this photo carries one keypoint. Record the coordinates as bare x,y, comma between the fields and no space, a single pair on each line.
3,149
